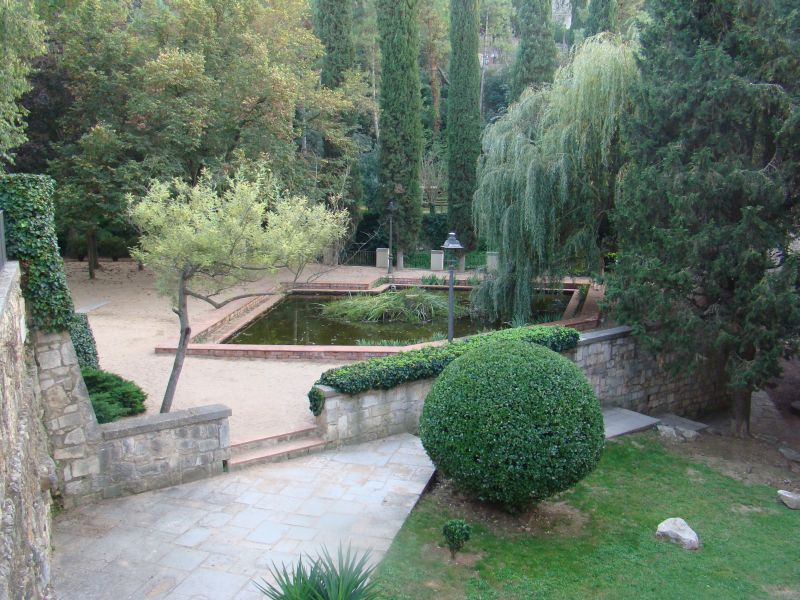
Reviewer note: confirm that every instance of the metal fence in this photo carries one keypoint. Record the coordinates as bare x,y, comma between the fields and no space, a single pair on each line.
359,258
3,256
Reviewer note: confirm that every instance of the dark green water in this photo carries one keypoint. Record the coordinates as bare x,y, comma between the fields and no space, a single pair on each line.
296,320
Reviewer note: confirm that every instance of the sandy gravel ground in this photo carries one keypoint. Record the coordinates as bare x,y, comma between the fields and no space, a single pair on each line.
267,396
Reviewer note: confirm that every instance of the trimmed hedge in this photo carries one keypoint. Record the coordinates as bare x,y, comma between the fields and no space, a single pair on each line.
512,423
112,396
31,239
83,340
387,372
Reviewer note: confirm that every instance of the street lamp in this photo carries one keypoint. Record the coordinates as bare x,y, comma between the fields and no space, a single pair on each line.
451,243
391,214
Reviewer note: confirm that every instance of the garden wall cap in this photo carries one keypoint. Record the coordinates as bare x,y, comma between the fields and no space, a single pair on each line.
149,423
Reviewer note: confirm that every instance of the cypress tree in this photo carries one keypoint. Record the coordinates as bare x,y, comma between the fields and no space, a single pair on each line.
706,205
578,9
400,119
602,16
334,27
464,118
537,55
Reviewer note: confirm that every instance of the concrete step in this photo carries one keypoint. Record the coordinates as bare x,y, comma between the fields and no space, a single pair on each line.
620,421
271,441
278,452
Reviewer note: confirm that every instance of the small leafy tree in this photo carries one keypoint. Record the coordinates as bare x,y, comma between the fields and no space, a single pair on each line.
456,534
200,241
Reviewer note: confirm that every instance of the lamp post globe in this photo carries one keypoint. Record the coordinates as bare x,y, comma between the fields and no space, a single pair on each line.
453,245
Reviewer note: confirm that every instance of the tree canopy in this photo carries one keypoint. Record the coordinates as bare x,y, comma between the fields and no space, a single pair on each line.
537,57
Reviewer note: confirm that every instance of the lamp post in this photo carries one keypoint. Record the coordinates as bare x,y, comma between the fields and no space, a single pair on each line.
451,243
391,215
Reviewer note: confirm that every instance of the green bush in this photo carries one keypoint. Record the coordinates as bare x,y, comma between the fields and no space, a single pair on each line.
112,246
387,372
346,578
112,396
456,533
83,340
31,239
512,423
413,305
316,401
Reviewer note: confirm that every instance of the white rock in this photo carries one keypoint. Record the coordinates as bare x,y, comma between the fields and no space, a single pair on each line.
789,499
678,531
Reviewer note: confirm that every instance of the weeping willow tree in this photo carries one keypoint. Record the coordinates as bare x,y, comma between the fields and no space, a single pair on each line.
548,172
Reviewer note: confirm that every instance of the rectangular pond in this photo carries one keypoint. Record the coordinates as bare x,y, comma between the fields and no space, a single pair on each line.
297,320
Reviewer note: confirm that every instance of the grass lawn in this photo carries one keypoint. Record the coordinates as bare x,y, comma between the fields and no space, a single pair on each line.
598,540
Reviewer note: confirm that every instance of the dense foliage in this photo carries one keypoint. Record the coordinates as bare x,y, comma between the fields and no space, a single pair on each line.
112,396
333,21
512,423
414,305
602,17
463,118
21,38
387,372
456,533
712,191
537,56
83,341
26,201
548,175
400,124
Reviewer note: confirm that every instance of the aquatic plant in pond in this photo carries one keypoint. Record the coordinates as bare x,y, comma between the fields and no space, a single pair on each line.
414,305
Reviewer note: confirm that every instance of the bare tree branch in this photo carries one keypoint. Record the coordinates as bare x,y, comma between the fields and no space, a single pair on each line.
227,301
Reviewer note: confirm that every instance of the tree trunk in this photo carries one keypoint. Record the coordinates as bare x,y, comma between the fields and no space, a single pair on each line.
741,411
375,112
180,353
436,94
91,251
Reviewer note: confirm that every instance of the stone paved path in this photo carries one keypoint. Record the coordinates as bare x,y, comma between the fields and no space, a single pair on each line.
211,539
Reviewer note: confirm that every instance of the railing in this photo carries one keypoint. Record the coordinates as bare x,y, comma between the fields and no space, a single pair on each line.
359,258
3,257
417,260
475,260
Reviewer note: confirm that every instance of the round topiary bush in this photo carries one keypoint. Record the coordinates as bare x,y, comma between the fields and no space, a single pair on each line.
512,422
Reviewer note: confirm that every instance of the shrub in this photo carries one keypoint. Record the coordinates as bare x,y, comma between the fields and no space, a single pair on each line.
431,279
406,306
112,396
31,239
347,578
456,534
512,423
316,401
83,340
387,372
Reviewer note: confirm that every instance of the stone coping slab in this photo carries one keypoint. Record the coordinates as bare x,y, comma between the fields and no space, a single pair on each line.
161,421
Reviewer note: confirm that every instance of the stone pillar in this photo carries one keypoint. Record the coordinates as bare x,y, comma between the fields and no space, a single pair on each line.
437,260
462,262
492,261
382,258
400,262
330,256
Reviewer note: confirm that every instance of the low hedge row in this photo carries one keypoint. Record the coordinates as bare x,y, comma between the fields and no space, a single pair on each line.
387,372
26,201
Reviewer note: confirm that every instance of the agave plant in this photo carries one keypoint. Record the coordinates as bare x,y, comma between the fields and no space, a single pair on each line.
345,578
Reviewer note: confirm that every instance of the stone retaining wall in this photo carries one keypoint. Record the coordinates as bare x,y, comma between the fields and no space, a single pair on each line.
26,469
128,456
621,372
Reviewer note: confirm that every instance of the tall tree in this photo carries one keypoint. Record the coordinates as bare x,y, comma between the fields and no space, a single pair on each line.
710,199
463,118
433,21
21,39
495,36
602,16
333,24
537,55
548,174
401,126
577,15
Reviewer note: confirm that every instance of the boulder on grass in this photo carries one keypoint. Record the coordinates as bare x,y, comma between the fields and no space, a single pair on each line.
678,531
790,499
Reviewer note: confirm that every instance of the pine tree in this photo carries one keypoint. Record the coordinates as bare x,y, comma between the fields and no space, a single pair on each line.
537,55
706,204
464,118
602,16
333,24
400,121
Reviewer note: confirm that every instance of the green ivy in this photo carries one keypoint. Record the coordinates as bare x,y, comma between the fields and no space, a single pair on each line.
387,372
83,340
26,201
316,401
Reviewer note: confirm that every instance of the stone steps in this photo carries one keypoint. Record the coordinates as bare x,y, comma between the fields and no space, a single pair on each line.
275,448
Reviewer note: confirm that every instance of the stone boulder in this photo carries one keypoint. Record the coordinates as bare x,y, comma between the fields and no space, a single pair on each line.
790,499
678,531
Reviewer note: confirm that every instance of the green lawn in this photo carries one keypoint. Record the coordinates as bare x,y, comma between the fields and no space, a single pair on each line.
750,541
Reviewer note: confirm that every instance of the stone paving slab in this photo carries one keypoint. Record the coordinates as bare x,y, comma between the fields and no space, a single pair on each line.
619,421
210,540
